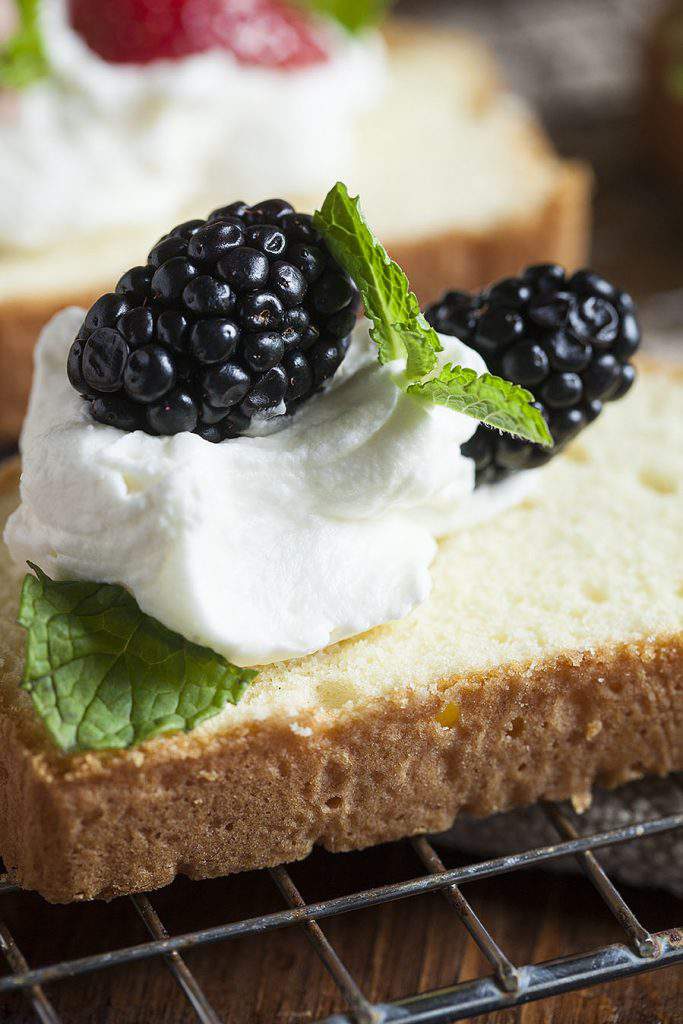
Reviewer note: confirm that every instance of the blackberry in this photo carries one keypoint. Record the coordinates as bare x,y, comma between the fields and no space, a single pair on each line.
230,317
567,338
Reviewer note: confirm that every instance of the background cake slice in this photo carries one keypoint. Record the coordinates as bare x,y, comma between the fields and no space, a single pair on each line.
456,176
548,658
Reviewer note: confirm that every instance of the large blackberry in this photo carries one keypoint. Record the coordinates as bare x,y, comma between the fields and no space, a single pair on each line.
231,316
568,339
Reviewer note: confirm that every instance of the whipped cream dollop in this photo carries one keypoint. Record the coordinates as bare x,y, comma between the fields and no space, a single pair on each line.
99,146
262,547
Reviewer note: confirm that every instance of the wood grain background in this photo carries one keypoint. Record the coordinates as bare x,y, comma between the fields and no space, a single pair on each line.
392,951
579,61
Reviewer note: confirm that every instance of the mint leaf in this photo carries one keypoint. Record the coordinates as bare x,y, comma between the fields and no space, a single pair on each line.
103,674
400,330
353,15
22,58
398,327
486,398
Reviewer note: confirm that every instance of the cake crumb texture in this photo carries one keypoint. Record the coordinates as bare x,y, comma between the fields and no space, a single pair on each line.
548,658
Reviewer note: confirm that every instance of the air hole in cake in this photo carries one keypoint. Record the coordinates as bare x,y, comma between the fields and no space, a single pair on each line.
333,803
658,481
516,727
596,592
92,817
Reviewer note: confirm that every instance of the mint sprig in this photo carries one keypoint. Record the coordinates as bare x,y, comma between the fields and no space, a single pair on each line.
398,327
353,15
23,59
102,674
489,399
401,331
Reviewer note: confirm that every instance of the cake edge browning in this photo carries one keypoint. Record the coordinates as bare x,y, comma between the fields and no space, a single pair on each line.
261,793
265,794
558,232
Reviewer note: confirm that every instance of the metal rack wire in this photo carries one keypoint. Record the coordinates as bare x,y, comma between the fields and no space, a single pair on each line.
508,984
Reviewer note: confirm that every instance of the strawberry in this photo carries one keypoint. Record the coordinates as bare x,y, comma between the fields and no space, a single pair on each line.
261,32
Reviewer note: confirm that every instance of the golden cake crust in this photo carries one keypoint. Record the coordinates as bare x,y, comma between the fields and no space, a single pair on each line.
99,825
263,790
557,233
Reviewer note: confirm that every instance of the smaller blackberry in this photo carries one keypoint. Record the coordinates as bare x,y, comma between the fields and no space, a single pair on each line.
230,317
568,339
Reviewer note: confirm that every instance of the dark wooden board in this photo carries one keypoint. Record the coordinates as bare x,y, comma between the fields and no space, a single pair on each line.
418,944
392,951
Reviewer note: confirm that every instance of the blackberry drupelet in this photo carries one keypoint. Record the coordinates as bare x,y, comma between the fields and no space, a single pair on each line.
232,316
567,339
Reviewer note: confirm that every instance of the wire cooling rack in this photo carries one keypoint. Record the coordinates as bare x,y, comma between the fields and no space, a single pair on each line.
507,985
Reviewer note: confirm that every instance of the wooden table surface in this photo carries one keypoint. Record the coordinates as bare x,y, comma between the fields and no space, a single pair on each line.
415,945
392,951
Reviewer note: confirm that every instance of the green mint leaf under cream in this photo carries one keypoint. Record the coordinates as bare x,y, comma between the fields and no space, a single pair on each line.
400,330
346,503
102,674
364,479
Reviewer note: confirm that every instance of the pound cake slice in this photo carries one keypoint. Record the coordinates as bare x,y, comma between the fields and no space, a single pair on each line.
548,658
476,194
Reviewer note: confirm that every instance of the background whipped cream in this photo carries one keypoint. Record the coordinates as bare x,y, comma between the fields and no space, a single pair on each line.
100,146
262,548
